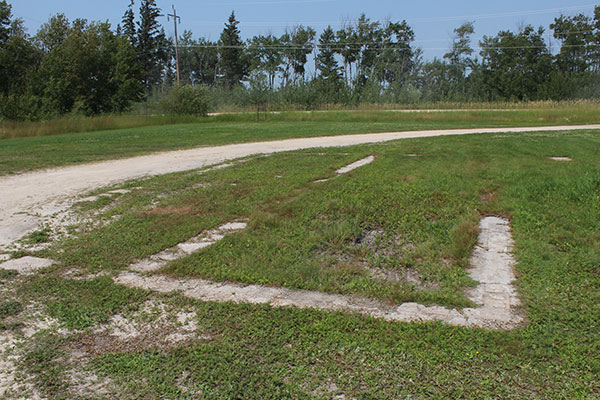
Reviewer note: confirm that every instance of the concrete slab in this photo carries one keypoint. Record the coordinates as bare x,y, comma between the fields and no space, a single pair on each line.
26,264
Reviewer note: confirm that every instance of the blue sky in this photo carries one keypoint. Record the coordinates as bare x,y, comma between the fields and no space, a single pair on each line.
432,21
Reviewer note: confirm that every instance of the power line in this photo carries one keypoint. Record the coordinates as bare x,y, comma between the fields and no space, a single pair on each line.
374,47
425,19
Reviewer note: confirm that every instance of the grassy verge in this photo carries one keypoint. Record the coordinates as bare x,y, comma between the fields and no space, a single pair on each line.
14,129
30,153
255,352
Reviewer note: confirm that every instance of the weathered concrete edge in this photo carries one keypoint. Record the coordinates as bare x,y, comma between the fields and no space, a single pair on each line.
281,297
491,263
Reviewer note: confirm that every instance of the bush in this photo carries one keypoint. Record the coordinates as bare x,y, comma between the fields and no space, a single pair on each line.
185,100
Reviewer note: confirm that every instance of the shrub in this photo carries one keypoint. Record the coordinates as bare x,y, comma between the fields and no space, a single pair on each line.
185,100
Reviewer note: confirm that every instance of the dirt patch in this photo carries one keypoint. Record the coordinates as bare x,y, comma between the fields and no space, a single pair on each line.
185,210
374,243
369,238
83,383
155,326
406,275
488,197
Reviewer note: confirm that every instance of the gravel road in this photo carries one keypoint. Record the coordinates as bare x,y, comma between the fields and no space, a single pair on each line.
29,198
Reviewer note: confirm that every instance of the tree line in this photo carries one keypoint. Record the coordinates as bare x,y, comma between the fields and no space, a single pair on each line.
90,68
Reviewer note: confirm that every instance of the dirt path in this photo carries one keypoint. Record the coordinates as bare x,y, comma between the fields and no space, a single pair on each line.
28,198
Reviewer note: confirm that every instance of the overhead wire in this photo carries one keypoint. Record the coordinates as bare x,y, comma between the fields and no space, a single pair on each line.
425,19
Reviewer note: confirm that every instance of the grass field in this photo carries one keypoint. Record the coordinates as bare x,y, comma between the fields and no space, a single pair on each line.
307,235
19,154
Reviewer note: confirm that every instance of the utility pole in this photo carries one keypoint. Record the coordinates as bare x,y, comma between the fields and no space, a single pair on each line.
175,20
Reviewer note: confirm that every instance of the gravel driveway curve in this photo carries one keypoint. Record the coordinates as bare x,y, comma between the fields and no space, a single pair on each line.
28,198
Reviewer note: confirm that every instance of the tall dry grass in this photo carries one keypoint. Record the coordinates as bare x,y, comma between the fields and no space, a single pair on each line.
14,129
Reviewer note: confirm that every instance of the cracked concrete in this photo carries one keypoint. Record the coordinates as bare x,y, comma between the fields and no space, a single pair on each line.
491,265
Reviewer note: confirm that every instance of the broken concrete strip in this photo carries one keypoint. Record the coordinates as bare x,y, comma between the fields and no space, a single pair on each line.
350,167
565,159
355,165
26,264
205,239
492,267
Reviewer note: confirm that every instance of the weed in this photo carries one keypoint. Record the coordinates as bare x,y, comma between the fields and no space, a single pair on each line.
81,304
39,236
9,308
44,359
464,237
6,274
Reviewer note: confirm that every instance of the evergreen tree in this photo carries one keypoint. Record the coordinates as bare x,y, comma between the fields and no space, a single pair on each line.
327,65
328,82
461,45
128,22
5,15
233,61
152,45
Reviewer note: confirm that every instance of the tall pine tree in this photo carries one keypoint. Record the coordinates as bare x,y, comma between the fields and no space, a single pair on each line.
327,65
152,45
128,22
233,61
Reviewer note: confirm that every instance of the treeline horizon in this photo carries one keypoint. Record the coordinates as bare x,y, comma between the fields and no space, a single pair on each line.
81,67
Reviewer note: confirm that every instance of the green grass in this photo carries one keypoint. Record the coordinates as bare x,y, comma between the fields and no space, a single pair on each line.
30,153
427,206
306,235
